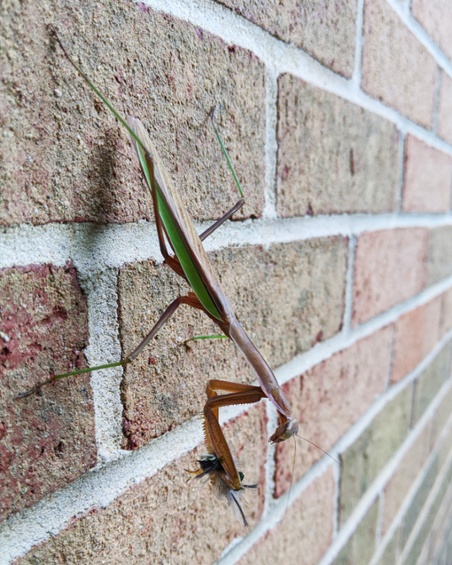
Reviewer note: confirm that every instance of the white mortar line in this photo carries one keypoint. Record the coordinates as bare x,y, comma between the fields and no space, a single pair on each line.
286,58
104,347
348,299
357,71
422,36
93,248
271,145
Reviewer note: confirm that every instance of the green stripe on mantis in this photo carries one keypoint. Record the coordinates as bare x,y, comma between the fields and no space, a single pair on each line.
178,244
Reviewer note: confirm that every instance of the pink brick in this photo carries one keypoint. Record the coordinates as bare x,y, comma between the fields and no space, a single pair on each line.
389,268
428,178
46,439
305,532
394,61
416,333
436,18
329,398
445,108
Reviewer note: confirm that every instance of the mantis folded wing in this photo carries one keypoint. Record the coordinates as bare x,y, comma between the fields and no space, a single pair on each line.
191,262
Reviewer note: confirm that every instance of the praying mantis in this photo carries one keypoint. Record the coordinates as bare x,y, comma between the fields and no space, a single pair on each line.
191,262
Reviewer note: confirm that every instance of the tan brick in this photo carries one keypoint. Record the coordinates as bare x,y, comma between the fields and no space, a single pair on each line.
306,531
416,333
46,439
389,268
428,178
164,519
436,18
365,458
445,108
276,295
439,255
333,156
404,477
66,159
429,383
361,545
446,312
331,397
324,29
393,61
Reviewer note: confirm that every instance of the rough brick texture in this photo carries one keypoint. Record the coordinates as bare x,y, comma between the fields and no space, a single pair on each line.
416,333
324,29
394,60
435,18
65,157
46,439
134,529
445,108
389,268
311,513
333,156
365,458
165,384
428,178
329,398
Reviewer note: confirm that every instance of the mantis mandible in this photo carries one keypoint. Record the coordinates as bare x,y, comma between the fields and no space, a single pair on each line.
191,262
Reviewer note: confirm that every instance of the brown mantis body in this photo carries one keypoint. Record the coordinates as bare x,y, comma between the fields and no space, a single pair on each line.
190,261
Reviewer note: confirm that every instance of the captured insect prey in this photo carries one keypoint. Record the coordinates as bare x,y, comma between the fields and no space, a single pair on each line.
191,262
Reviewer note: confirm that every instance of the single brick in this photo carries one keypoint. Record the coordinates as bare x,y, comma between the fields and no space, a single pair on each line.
389,268
329,399
446,313
276,295
367,456
442,527
306,531
418,501
439,254
416,333
46,439
333,156
164,519
67,159
325,30
435,18
428,178
445,108
361,545
404,477
429,383
394,60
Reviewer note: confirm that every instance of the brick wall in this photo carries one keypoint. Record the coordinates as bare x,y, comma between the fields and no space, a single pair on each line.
338,118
